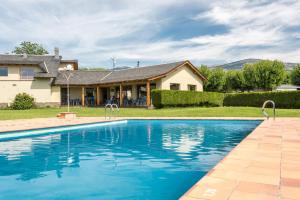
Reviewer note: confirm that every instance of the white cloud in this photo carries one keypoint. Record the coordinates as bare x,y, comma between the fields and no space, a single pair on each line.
93,31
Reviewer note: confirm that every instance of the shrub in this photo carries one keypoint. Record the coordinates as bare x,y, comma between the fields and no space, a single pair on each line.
172,98
285,99
23,101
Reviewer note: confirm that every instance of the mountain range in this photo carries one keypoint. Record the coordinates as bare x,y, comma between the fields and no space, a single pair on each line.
239,64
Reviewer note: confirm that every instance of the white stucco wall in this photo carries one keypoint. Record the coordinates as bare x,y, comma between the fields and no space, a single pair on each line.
183,76
40,89
55,94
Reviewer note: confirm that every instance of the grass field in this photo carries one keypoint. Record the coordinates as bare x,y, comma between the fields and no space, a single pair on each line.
142,112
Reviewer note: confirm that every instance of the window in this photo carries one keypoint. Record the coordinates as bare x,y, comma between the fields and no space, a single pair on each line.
3,71
174,86
27,73
192,87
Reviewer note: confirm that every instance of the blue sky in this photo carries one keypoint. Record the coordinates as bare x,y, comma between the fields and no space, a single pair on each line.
158,31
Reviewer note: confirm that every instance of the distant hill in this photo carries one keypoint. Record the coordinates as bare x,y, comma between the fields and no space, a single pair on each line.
239,64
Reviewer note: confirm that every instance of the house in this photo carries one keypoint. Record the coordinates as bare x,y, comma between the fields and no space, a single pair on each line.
288,87
44,77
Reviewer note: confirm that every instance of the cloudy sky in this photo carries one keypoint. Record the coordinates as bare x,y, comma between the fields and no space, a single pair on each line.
205,32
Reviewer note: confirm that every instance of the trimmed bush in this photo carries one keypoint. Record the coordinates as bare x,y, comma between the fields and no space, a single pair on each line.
284,99
23,101
172,98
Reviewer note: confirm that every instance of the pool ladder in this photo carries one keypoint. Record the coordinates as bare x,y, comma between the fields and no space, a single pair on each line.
263,109
112,109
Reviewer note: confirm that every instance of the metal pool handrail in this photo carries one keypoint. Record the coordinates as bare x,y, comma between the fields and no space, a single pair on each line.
263,109
111,108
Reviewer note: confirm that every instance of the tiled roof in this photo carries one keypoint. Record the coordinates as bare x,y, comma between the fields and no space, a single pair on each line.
140,73
80,77
105,77
48,63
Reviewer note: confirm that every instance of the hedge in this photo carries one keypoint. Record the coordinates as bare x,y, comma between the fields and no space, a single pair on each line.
176,98
172,98
282,99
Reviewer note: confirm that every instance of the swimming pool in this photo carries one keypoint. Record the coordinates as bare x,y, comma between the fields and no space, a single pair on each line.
134,159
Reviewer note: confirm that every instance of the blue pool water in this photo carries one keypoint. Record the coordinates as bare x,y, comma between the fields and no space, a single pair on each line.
140,159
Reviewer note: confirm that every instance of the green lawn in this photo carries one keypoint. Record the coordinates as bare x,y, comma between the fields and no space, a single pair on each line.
142,112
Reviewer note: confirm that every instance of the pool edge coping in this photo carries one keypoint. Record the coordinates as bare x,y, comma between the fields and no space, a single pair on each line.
17,124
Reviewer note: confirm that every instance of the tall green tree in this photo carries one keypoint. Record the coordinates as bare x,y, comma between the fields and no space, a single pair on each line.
287,78
216,80
30,48
249,74
234,81
295,75
205,71
264,75
269,74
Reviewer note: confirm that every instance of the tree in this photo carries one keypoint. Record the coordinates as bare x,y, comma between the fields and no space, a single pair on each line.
295,75
30,48
216,80
234,80
287,78
264,75
249,76
269,74
205,71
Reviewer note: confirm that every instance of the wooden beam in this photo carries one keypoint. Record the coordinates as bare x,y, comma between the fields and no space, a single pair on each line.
82,95
121,95
148,94
98,96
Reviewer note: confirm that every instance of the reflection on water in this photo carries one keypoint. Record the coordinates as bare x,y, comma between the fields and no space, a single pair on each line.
127,161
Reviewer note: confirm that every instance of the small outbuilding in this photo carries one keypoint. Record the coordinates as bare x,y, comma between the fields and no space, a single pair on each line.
288,87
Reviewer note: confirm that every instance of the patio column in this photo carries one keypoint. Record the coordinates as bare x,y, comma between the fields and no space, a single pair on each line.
98,96
121,95
148,94
82,95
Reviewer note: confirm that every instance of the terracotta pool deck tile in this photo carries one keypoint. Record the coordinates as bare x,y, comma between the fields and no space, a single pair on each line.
235,163
290,182
273,154
262,171
289,166
265,164
290,192
210,193
251,187
232,174
261,178
290,173
237,195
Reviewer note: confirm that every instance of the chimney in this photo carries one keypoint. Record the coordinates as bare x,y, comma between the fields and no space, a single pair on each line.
24,55
114,63
138,64
56,53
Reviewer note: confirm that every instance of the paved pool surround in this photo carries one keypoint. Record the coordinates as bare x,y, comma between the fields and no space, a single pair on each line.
265,165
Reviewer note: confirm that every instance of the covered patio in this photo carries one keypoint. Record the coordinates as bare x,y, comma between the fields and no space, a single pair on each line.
135,94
